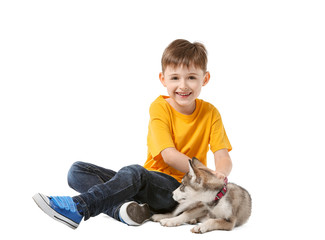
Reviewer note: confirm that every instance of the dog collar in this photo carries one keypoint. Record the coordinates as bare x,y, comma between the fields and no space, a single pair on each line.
223,191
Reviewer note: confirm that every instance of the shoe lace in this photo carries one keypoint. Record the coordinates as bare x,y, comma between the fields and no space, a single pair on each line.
66,203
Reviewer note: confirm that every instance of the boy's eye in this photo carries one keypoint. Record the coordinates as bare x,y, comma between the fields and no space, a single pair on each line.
192,77
174,78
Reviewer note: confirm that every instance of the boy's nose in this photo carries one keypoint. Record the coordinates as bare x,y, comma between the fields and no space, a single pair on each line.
183,85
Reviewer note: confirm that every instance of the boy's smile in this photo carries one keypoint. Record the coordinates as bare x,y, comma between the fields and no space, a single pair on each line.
183,86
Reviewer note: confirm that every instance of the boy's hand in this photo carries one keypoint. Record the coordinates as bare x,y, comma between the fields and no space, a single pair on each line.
219,175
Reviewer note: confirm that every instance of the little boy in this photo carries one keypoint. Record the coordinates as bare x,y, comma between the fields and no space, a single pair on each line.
181,126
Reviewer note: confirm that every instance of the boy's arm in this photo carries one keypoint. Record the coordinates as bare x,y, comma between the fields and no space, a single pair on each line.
179,161
175,159
223,163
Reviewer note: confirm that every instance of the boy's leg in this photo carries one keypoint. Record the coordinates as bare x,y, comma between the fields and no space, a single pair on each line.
131,182
82,176
159,192
157,196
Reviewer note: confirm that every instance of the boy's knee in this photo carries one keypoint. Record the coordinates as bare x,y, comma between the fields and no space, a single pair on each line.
75,168
135,170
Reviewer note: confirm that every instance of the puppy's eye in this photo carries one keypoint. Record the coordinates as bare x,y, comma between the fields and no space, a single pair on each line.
182,187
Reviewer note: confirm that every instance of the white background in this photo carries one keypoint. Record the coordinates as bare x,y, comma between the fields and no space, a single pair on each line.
77,79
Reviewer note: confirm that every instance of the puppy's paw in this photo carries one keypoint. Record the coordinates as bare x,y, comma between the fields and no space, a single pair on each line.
193,221
169,223
199,229
157,217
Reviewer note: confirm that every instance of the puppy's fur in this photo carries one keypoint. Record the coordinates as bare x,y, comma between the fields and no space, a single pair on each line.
196,198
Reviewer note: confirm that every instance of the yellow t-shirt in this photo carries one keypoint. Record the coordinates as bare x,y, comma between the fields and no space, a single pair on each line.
189,134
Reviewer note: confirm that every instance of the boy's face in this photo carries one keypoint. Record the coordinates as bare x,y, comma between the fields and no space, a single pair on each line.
184,86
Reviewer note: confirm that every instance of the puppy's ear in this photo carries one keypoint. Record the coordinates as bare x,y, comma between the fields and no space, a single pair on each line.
197,163
190,167
193,172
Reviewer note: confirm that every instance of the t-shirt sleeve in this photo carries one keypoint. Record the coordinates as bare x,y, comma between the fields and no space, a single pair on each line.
159,132
218,137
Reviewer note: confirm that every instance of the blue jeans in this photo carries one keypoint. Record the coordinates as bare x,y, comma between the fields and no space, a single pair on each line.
104,191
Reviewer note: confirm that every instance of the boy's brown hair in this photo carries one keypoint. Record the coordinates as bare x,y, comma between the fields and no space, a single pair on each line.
184,53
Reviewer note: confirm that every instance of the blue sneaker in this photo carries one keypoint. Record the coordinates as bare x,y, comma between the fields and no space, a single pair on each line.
62,209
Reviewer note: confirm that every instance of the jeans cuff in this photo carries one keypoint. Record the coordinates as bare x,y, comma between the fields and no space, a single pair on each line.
83,206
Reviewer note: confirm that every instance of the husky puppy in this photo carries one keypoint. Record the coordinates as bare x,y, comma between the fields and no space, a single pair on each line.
204,198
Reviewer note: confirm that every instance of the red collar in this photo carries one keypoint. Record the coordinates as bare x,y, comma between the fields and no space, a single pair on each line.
223,191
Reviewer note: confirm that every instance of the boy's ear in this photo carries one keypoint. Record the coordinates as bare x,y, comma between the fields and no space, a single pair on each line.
162,79
206,78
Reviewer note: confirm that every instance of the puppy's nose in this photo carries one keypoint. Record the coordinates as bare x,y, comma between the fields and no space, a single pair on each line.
174,196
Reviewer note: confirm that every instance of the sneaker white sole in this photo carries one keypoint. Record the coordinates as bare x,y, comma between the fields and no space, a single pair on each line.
43,203
125,217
